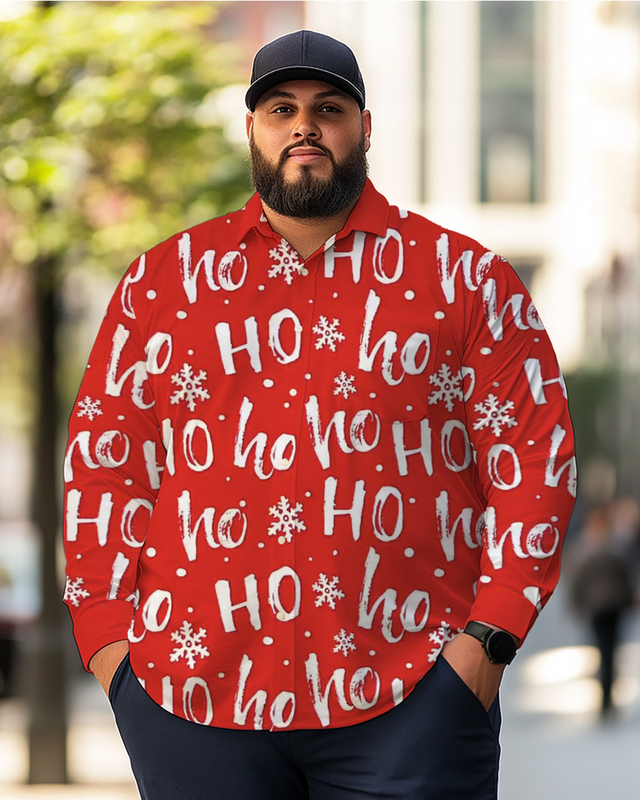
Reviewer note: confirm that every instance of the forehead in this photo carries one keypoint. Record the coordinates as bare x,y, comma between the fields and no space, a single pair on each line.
304,90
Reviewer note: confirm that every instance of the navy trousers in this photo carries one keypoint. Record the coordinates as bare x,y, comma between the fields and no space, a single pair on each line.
438,744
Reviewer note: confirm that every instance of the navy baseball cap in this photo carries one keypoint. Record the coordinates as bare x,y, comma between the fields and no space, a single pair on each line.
305,55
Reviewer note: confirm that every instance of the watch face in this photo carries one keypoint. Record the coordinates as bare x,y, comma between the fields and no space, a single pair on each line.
501,647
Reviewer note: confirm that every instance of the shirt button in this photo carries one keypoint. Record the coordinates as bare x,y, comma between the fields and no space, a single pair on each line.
304,271
281,616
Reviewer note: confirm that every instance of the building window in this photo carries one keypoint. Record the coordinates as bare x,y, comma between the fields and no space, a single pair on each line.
509,162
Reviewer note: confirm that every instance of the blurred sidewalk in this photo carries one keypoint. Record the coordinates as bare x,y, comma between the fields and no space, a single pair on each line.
98,764
553,745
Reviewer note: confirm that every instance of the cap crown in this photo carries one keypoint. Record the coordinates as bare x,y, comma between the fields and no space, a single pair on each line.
305,55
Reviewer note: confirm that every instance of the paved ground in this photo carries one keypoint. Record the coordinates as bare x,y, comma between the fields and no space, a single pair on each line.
553,746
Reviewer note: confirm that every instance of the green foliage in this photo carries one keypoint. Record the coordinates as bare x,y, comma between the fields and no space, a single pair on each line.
110,141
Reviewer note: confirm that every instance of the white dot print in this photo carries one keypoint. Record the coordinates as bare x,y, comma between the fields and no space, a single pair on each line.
151,665
243,246
379,467
268,640
409,665
181,314
287,405
409,552
180,572
438,573
267,382
221,417
409,294
293,392
261,288
307,376
413,242
121,417
242,503
439,315
221,674
151,552
485,579
152,294
190,609
190,352
128,482
530,442
486,351
307,634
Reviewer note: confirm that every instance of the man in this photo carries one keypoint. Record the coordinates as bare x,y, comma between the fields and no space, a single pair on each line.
317,439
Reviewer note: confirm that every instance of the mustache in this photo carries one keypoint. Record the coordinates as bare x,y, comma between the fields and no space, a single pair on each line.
305,143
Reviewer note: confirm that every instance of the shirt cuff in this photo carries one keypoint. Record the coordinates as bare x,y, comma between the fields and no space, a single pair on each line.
505,609
101,625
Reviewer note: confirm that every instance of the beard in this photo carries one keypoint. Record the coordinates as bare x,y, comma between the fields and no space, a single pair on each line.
309,197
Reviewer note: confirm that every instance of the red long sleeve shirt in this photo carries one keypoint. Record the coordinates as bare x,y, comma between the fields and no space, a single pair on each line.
289,482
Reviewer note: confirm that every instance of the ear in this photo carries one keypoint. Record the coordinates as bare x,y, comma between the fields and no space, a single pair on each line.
366,128
248,123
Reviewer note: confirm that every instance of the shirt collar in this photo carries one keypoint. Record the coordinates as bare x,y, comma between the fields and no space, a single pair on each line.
370,214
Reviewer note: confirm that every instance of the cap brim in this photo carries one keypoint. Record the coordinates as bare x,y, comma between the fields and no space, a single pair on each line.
262,85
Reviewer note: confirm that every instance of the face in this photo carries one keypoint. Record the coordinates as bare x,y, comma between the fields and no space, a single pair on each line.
308,142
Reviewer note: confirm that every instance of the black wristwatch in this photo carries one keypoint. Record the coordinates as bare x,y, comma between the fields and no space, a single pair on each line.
499,646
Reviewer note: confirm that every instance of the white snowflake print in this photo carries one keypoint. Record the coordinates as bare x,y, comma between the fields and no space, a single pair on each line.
448,387
344,642
73,591
344,384
328,333
287,262
328,590
89,408
189,644
495,416
286,519
190,389
439,637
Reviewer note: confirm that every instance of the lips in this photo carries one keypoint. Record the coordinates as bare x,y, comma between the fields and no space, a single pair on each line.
306,155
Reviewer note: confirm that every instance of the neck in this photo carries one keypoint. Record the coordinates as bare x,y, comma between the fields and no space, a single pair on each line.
306,235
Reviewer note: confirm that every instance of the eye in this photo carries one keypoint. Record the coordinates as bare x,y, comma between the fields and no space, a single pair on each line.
280,110
331,108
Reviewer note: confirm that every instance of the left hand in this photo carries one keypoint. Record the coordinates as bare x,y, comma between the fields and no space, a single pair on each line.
467,657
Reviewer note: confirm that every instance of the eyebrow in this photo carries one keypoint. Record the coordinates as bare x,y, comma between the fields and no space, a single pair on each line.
276,93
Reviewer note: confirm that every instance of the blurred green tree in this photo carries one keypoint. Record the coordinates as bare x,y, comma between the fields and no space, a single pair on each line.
111,140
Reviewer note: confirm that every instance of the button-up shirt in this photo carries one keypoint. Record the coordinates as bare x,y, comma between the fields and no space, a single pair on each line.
289,482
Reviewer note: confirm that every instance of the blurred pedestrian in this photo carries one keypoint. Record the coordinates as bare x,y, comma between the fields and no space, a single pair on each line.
600,571
318,474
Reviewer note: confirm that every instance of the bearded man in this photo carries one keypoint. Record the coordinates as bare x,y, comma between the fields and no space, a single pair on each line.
317,478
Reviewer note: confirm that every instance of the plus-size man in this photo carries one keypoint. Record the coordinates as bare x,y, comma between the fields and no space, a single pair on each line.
317,478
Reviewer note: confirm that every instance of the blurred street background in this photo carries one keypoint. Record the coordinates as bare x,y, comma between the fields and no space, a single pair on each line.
517,123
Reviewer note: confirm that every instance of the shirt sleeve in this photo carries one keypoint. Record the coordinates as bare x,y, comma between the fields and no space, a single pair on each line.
522,439
114,460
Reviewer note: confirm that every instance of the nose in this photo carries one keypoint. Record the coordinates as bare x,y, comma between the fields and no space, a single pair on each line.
306,126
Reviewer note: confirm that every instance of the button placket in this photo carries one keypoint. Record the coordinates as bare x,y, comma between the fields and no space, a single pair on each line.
304,302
